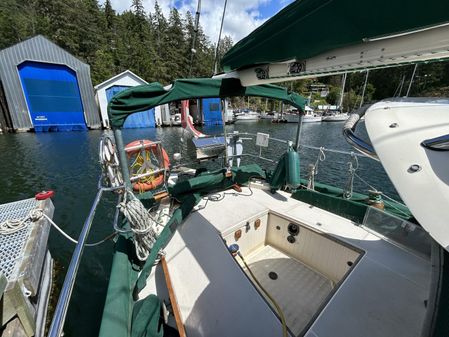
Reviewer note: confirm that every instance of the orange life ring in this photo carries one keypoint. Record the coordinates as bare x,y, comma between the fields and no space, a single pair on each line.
150,148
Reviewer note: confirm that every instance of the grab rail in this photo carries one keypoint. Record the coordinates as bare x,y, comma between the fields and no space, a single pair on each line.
358,143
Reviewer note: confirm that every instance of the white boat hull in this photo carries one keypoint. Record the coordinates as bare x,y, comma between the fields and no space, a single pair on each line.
291,118
250,118
312,119
396,129
336,118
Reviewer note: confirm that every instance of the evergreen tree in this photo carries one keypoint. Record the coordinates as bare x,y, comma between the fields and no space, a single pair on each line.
175,47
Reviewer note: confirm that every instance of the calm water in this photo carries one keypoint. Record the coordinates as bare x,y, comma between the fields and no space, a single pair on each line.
68,164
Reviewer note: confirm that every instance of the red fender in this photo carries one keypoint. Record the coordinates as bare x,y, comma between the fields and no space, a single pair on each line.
44,195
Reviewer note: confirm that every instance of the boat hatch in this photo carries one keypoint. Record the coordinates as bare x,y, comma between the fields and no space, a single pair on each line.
299,267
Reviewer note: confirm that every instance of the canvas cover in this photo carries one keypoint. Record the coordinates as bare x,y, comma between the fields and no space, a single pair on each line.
147,96
307,28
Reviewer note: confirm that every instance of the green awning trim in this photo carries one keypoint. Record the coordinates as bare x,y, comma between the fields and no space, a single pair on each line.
148,96
307,28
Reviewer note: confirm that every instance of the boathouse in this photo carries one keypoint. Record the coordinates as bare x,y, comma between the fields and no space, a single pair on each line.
127,79
46,88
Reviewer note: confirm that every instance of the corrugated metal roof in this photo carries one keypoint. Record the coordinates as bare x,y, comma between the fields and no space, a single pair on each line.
112,80
40,49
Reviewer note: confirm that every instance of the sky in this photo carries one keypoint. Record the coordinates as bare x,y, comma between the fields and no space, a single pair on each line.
242,16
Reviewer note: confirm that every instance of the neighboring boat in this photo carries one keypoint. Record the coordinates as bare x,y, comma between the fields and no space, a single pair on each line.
243,251
337,117
268,115
247,116
310,116
229,116
290,117
311,119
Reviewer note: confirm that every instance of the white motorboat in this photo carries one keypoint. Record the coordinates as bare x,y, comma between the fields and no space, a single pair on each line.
247,116
290,117
311,119
268,115
338,117
310,116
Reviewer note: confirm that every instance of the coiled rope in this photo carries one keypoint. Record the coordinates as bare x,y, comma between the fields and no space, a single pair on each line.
142,224
12,226
109,163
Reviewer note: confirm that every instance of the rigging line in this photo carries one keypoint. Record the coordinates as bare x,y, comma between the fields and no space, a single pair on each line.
411,80
219,38
364,88
322,148
9,227
75,241
392,201
401,85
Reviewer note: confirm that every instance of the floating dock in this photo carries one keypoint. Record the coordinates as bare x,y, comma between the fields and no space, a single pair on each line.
26,270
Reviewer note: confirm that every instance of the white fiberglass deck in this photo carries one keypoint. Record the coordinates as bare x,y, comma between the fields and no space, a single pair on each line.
384,294
298,289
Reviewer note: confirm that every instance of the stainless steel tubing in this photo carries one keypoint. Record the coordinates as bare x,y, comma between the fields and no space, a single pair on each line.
358,143
59,316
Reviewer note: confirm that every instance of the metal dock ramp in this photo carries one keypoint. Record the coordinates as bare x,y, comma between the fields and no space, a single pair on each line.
25,270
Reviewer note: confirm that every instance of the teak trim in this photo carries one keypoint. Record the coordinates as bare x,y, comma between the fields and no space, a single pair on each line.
174,302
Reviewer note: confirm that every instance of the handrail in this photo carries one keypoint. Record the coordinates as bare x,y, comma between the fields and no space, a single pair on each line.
59,316
358,143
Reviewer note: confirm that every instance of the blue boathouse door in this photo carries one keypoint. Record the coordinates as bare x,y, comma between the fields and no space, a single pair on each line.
212,111
143,119
53,96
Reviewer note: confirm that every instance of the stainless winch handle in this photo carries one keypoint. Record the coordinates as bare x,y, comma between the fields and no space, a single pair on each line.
355,141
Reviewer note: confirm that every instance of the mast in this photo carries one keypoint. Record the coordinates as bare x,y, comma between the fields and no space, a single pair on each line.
343,83
364,88
219,38
195,33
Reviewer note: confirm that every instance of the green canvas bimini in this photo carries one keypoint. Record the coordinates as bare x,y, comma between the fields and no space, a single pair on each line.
148,96
307,28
